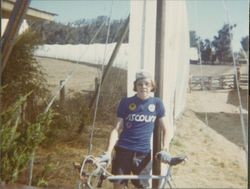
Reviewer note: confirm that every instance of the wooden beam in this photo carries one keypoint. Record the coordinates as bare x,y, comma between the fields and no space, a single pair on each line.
32,13
112,59
8,38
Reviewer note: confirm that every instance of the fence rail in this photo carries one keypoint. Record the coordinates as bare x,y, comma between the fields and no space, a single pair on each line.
227,81
244,79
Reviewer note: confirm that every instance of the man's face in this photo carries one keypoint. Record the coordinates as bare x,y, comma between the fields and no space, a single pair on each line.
143,87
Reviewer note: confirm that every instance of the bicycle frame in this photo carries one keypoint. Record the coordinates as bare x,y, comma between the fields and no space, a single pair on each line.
163,180
99,170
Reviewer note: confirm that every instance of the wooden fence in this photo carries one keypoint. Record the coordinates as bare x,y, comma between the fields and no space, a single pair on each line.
227,81
244,80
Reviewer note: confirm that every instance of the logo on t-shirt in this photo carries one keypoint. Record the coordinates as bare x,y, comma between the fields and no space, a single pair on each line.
151,107
141,118
132,106
129,125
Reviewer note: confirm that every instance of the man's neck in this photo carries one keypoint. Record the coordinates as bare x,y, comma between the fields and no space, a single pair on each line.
142,97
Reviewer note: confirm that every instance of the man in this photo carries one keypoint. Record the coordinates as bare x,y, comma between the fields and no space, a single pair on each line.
131,135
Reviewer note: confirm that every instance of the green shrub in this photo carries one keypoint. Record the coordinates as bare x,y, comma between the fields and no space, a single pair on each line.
23,126
23,74
19,140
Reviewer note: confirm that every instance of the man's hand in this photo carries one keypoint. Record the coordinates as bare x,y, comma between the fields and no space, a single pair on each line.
104,158
163,156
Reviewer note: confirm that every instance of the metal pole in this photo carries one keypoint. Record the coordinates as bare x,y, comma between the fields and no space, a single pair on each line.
159,61
8,39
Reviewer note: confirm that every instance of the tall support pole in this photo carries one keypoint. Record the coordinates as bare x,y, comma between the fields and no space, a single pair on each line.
8,39
112,59
159,61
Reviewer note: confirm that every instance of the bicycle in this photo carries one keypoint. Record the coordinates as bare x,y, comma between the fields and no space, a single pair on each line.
92,173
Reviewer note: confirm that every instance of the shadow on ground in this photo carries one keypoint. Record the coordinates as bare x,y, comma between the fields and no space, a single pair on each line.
226,124
234,99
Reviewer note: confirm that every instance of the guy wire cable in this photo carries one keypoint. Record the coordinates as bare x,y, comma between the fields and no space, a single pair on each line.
72,72
99,86
51,102
199,58
245,140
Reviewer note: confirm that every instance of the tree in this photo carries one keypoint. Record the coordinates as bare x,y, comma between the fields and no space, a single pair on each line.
221,43
206,51
193,39
245,43
78,32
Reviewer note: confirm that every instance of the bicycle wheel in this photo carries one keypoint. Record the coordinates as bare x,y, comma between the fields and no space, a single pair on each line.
166,183
170,184
80,185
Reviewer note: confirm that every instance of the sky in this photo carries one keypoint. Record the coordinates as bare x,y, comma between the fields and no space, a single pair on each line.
71,10
206,17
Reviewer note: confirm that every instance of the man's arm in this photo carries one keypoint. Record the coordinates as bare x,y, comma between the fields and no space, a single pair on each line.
114,135
168,133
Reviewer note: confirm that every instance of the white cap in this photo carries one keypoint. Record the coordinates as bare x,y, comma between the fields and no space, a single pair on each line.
143,74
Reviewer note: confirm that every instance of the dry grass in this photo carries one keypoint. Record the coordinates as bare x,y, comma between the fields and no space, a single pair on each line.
216,157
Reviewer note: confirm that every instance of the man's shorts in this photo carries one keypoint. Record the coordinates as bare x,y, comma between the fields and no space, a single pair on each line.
126,162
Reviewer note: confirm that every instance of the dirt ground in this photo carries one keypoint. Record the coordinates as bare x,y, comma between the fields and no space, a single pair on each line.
209,132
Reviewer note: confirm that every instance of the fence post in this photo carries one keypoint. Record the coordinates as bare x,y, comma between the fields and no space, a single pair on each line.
190,83
62,94
238,75
237,78
209,82
235,82
96,83
202,83
221,82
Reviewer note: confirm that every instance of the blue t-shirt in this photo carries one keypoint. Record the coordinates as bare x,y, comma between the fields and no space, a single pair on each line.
139,117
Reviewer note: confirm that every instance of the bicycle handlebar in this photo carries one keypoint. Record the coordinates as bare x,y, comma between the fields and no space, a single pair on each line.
166,158
99,168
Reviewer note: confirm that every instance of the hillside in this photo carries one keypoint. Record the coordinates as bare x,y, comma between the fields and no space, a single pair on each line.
214,148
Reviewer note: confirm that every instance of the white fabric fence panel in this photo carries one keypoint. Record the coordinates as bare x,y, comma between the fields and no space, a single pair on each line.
93,54
176,51
176,66
141,39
